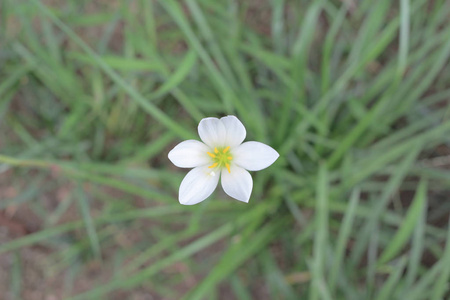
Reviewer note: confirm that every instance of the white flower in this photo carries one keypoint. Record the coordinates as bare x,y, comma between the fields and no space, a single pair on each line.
222,153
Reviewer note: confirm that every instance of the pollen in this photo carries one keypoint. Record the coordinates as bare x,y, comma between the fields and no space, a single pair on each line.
221,158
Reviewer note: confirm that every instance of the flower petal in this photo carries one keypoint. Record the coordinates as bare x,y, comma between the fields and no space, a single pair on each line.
254,156
189,154
198,185
212,132
238,183
235,131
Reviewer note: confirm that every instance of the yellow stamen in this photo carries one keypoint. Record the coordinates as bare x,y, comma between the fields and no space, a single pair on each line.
213,165
221,158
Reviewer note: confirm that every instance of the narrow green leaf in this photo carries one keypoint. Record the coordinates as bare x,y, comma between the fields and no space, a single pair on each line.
16,277
178,76
441,285
88,222
417,248
387,290
411,220
319,290
343,236
404,36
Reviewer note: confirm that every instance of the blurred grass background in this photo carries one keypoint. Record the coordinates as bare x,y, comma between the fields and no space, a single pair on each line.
354,95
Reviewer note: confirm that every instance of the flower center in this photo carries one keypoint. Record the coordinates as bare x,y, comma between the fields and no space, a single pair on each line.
221,158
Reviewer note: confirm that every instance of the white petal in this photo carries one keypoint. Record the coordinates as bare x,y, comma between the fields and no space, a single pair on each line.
189,154
254,156
238,183
212,132
235,131
198,185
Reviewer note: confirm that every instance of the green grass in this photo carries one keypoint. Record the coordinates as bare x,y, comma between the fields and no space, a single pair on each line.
354,98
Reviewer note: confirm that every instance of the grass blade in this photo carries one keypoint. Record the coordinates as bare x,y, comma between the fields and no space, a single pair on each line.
407,227
318,284
88,222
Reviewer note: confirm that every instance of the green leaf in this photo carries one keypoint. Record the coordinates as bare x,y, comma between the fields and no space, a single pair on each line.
88,222
411,220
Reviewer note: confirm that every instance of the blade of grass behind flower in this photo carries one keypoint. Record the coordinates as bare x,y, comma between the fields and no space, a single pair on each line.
388,288
441,285
391,186
206,32
343,237
404,36
405,231
88,222
417,248
149,107
319,289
